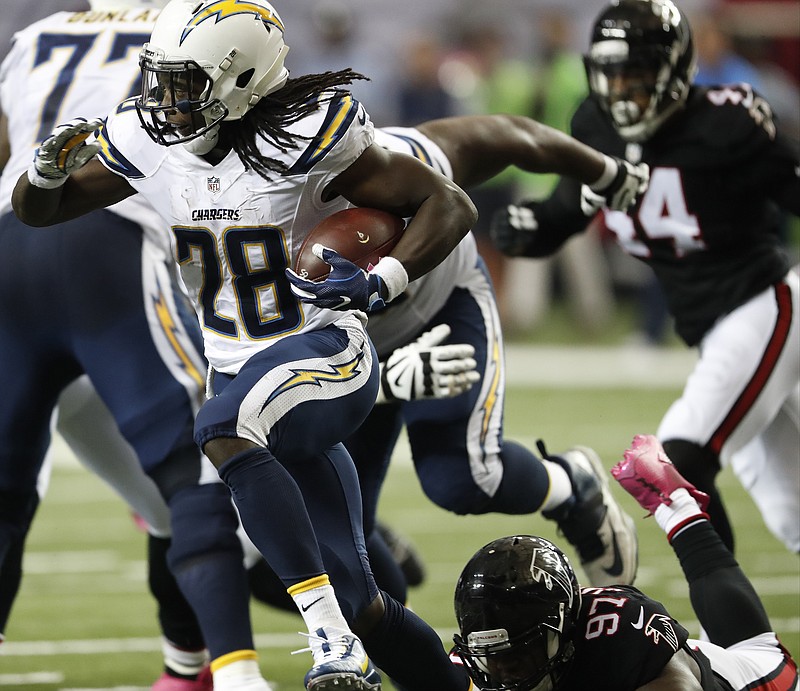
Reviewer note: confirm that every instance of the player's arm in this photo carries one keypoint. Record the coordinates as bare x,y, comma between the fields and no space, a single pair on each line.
65,180
441,215
481,146
681,673
540,228
441,212
782,168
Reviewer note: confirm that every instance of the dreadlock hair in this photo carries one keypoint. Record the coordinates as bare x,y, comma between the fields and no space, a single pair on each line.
270,117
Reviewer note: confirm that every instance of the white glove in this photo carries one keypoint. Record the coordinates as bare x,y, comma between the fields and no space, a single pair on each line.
626,185
425,369
63,152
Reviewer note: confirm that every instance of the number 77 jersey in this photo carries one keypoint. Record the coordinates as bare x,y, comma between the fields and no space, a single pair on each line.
60,68
233,233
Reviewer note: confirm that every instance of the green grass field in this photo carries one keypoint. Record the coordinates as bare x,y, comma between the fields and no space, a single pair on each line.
84,619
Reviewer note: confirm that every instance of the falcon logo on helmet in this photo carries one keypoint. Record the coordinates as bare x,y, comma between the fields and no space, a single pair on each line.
548,572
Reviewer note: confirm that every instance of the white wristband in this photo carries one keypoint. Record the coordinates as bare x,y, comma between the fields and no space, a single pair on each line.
394,275
38,180
609,173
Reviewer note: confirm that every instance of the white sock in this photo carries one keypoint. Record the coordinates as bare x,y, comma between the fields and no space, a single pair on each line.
318,605
673,518
560,486
185,662
238,674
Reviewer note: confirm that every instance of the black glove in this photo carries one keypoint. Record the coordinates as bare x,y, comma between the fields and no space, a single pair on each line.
513,227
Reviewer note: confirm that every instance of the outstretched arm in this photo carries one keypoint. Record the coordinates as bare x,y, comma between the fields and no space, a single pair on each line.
481,146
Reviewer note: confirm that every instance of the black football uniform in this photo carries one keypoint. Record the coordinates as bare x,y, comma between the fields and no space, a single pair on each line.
709,223
623,625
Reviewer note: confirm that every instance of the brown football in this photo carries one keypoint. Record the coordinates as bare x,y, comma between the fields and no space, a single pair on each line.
361,235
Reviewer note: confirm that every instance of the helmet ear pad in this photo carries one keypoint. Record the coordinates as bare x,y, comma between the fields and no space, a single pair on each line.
630,34
517,602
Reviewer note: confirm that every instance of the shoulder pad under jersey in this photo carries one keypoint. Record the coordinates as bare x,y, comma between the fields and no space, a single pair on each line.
124,146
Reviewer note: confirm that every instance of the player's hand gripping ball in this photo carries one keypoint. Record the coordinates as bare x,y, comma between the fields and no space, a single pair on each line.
362,236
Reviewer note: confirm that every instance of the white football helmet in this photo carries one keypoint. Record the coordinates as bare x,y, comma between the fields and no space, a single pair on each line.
211,61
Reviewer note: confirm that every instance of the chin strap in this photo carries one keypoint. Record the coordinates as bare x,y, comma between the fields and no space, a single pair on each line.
203,144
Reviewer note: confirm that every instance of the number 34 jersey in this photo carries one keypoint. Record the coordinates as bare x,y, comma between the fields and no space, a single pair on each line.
709,223
233,233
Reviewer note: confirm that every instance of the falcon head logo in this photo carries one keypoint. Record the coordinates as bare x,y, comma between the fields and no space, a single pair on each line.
660,626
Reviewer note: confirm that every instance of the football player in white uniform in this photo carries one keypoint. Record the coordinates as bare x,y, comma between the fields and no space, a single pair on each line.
462,459
241,163
113,302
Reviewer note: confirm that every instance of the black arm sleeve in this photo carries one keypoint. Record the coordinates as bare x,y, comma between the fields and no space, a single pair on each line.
559,218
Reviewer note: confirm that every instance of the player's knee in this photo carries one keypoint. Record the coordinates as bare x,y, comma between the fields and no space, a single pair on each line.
459,497
203,521
698,464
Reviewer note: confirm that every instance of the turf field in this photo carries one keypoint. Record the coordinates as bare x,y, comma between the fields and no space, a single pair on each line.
84,619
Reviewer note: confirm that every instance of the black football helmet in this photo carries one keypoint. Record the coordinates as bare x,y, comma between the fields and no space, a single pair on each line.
517,602
640,48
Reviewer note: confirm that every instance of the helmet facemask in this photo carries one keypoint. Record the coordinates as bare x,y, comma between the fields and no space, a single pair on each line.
517,602
535,661
175,106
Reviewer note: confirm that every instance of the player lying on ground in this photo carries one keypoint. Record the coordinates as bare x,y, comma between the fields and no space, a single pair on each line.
526,625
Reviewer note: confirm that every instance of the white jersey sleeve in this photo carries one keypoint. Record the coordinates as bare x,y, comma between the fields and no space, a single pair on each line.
68,65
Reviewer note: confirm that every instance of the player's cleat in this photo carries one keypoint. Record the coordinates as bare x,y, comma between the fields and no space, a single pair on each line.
647,474
167,682
594,523
340,662
404,553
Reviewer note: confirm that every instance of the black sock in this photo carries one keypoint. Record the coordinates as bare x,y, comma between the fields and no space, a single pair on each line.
411,653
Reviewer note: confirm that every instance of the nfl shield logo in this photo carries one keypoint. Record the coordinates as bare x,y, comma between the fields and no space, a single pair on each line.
213,185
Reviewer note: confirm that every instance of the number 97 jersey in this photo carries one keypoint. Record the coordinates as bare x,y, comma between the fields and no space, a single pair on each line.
623,625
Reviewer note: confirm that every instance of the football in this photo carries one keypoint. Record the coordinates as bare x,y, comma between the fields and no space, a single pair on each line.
361,235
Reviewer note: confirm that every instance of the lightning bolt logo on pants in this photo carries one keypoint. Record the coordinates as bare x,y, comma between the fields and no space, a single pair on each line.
316,377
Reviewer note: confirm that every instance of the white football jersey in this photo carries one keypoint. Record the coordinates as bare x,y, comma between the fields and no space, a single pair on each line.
402,321
232,232
68,65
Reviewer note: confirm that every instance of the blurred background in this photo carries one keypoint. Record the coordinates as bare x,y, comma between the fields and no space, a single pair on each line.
433,58
591,354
